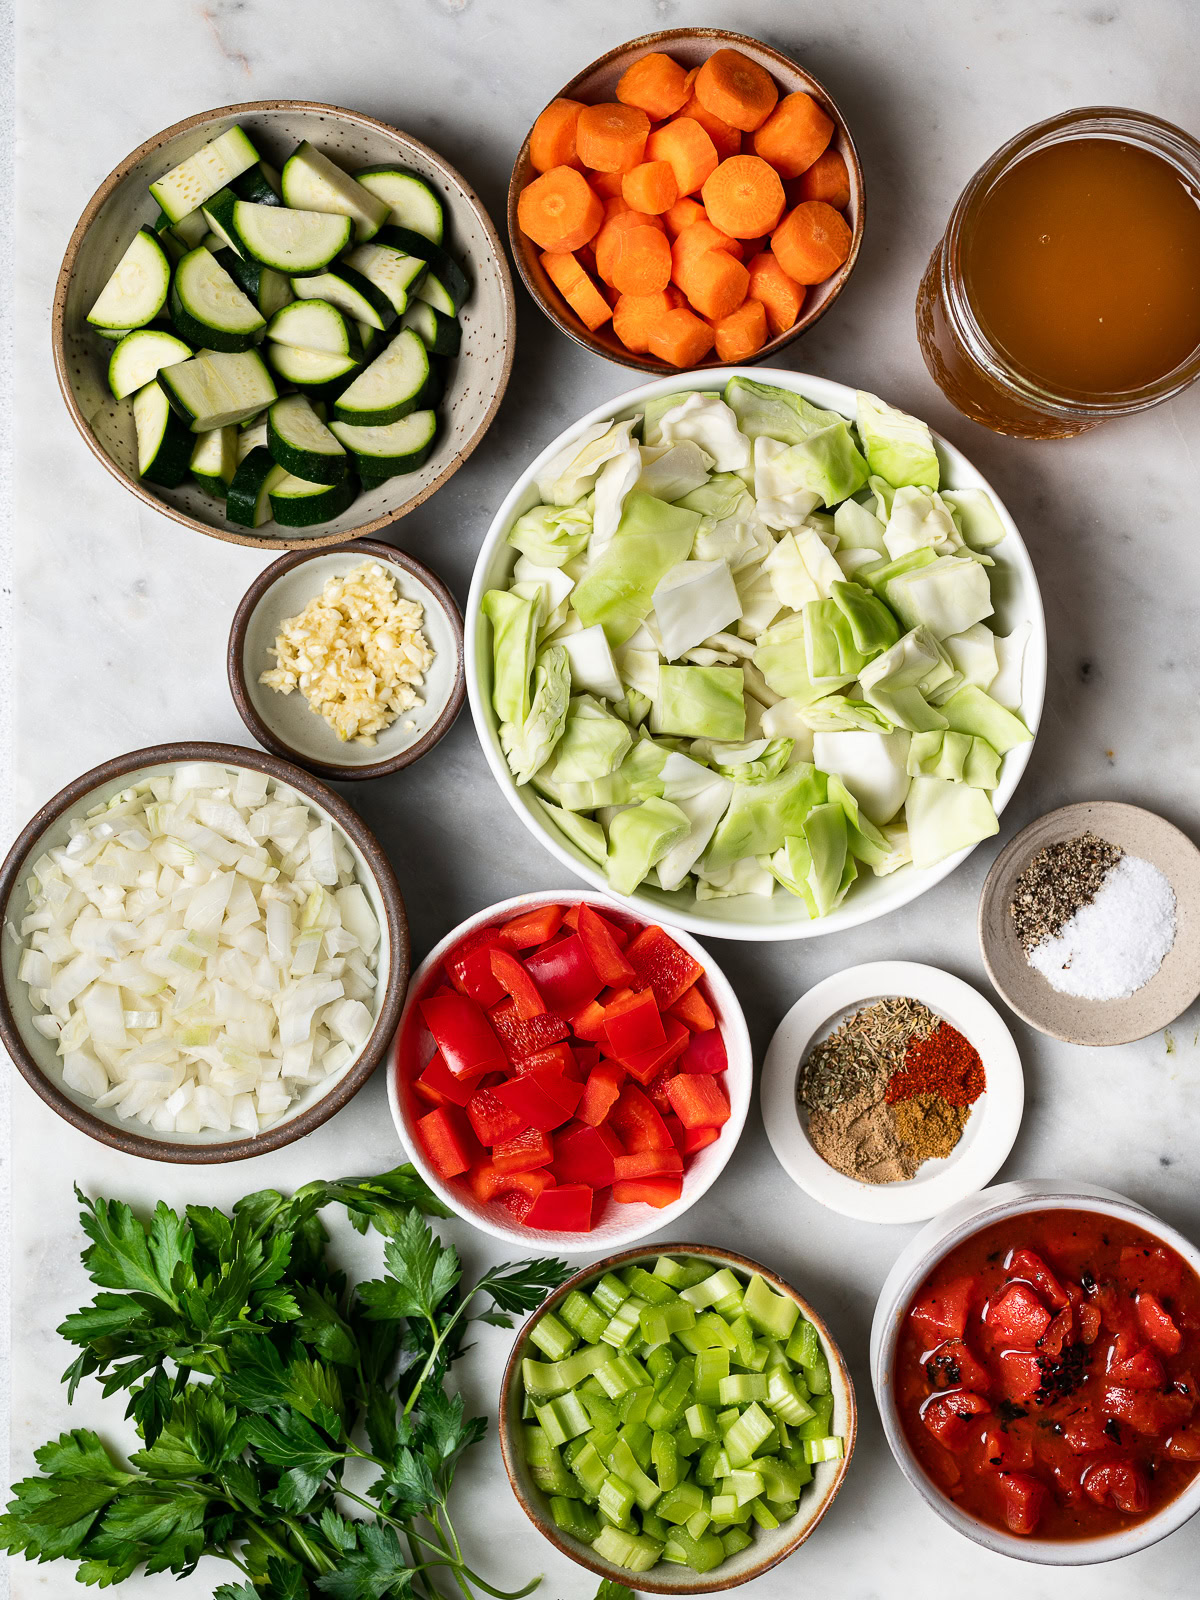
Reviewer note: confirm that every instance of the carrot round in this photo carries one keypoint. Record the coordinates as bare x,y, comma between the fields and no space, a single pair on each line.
794,135
576,288
736,89
640,260
693,241
687,149
606,184
827,179
635,315
781,297
680,338
715,283
811,242
742,333
611,137
607,242
744,197
726,139
616,206
682,214
552,142
650,188
558,211
655,83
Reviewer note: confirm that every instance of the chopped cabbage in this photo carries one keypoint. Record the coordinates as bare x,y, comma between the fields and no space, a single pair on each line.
639,837
694,600
705,419
945,817
873,766
513,614
700,703
899,447
551,535
617,590
593,742
530,744
572,473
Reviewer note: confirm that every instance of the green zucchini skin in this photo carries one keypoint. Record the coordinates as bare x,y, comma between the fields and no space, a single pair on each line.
248,501
288,422
306,512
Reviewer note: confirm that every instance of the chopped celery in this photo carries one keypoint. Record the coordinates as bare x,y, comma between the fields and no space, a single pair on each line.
752,1429
574,1519
674,1396
539,1452
637,1436
719,1286
553,1478
702,1554
673,1273
634,1404
773,1314
620,1374
543,1379
741,1330
563,1418
552,1337
735,1541
705,1472
741,1388
711,1367
784,1399
745,1486
698,1522
724,1508
702,1424
624,1323
616,1499
600,1408
634,1552
654,1527
590,1469
780,1481
610,1293
680,1503
664,1457
726,1419
649,1287
584,1318
817,1425
763,1515
623,1464
760,1352
822,1450
721,1467
659,1322
660,1363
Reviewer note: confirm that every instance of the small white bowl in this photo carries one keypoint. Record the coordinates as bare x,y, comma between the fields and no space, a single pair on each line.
622,1225
914,1262
990,1129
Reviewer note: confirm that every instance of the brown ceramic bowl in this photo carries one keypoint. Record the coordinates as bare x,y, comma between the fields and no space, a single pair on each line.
597,82
286,724
34,1055
475,381
768,1548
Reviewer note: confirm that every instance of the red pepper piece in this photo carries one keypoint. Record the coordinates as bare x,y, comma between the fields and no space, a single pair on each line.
1018,1317
674,1127
514,980
587,1056
582,1155
565,977
952,1366
698,1139
526,1037
647,1164
657,1192
470,970
705,1053
1024,1501
566,1208
601,1091
1020,1374
515,1191
449,1143
694,1011
589,1023
559,1057
637,1123
1027,1264
463,1034
1133,1365
1157,1324
634,1026
493,1122
662,965
942,1313
438,1085
598,938
619,934
524,1153
698,1102
649,1064
656,1093
950,1418
1155,1415
541,1099
531,928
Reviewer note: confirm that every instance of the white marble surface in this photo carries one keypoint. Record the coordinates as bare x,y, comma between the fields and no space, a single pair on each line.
122,618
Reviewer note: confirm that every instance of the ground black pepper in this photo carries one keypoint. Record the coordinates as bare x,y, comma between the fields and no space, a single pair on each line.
1057,882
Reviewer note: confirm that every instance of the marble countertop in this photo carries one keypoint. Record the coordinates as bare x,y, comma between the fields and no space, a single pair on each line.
121,621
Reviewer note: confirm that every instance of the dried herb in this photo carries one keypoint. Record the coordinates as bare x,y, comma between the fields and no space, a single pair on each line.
863,1053
1056,883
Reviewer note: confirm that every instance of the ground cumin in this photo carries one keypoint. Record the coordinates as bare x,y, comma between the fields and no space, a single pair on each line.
859,1138
929,1126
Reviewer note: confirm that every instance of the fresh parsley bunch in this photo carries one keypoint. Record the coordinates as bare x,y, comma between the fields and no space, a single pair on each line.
255,1374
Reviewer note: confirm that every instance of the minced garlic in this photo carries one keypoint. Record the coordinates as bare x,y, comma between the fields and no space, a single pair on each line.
356,652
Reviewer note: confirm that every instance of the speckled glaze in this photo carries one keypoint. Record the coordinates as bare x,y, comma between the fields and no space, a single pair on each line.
476,379
597,82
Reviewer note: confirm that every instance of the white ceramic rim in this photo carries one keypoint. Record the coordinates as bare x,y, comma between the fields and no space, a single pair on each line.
982,1151
697,1179
908,883
917,1258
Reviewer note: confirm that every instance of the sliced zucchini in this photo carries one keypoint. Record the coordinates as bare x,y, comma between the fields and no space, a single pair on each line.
270,291
311,182
300,441
218,213
441,335
413,203
212,243
164,445
216,388
251,436
259,183
311,369
350,292
442,266
248,502
316,325
136,360
371,339
297,503
391,271
190,230
395,383
215,458
381,453
208,308
295,242
137,290
190,184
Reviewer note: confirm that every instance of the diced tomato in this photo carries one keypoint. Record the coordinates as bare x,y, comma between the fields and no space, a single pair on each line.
515,981
1066,1480
952,1366
542,1099
1089,1322
565,1208
1120,1484
950,1418
582,1155
463,1034
565,977
1024,1501
1159,1270
1145,1412
942,1313
1184,1445
1020,1374
1058,1335
698,1101
531,928
657,1192
559,1057
1008,1451
698,1138
694,1011
634,1025
529,1150
1083,1435
526,1038
491,1119
1018,1316
648,1064
470,967
663,965
604,951
705,1054
1027,1264
438,1085
637,1123
600,1092
589,1023
1116,1309
647,1164
449,1143
488,1181
1157,1324
1133,1365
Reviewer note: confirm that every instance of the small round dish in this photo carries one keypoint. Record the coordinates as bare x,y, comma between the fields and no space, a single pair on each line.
990,1129
768,1547
624,1224
598,82
285,723
35,1056
1096,1022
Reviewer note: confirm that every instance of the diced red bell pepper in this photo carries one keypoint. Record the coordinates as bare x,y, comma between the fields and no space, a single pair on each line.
633,1026
656,1093
526,1038
698,1139
1155,1415
524,1153
559,1057
487,1181
657,1192
1024,1500
603,951
531,928
1133,1365
470,969
637,1123
542,1099
1018,1316
647,1065
1120,1484
941,1314
694,1011
662,965
586,1056
566,1208
583,1155
493,1121
588,1024
648,1164
600,1092
566,979
449,1144
950,1418
1027,1264
1157,1324
953,1366
705,1054
515,980
619,933
463,1034
1020,1374
438,1085
698,1101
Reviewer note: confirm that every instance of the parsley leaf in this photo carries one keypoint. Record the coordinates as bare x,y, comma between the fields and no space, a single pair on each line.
375,1569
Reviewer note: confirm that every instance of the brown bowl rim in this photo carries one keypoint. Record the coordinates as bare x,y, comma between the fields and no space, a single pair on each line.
570,325
117,176
235,663
348,820
606,1569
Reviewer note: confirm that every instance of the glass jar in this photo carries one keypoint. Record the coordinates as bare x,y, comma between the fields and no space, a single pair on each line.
971,371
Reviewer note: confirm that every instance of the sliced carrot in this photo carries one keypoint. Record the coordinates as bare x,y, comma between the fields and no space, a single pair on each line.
607,244
811,242
690,152
611,137
606,184
656,83
615,206
558,210
641,262
650,188
794,135
682,214
726,139
576,288
827,179
715,283
552,142
743,332
744,197
781,296
694,240
636,315
681,339
736,89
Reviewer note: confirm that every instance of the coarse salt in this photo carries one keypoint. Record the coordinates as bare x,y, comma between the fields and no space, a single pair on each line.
1114,945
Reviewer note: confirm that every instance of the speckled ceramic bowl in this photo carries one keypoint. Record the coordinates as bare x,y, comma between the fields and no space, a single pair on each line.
476,380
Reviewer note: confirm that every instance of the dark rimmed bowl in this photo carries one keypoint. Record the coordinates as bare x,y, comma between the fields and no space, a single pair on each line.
286,724
768,1548
34,1056
476,380
598,81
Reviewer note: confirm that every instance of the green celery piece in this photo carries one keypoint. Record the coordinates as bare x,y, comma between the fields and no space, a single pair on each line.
618,589
538,1451
785,1399
552,1337
828,1449
624,1323
573,1519
622,1373
711,1367
680,1503
735,1541
752,1429
658,1323
609,1293
760,1350
804,1346
697,1524
817,1426
727,1418
616,1499
773,1314
603,1411
674,1396
554,1478
626,1468
589,1468
634,1404
742,1330
637,1436
763,1515
724,1508
650,1287
634,1552
660,1364
743,1387
781,1481
563,1418
745,1486
701,1423
528,1409
673,1273
701,1554
582,1317
715,1287
794,1456
664,1457
654,1527
685,1444
705,1467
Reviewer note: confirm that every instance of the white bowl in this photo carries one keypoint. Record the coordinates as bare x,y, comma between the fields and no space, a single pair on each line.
917,1259
622,1225
990,1130
1017,600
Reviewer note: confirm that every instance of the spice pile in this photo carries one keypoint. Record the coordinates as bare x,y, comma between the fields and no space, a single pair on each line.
1095,922
889,1089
